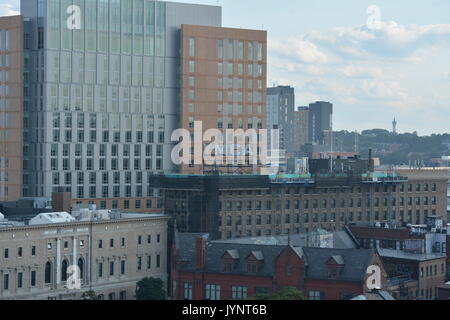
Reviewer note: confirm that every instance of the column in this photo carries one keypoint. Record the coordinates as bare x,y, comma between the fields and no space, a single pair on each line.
58,262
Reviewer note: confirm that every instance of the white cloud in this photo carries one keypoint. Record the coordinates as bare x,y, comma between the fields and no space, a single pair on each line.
299,50
390,40
7,9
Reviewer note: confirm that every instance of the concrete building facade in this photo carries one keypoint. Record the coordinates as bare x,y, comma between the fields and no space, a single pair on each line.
112,254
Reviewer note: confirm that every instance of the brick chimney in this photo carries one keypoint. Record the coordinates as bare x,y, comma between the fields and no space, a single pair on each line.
200,252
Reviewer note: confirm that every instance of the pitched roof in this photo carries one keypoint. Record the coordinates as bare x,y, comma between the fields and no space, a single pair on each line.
355,271
215,251
339,259
233,253
258,255
185,243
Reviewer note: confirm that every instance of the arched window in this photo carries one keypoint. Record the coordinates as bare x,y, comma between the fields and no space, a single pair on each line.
48,272
81,266
64,270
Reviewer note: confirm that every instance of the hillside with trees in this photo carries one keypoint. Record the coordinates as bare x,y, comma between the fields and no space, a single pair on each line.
398,149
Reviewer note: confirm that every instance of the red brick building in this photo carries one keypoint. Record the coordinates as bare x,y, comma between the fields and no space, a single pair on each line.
217,270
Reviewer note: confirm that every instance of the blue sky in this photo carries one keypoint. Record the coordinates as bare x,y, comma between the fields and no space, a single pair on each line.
325,49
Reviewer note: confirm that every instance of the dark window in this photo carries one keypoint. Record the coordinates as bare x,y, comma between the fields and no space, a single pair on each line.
33,278
48,272
64,270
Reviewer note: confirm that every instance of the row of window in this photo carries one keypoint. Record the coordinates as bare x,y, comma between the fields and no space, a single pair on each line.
297,191
20,280
432,270
89,164
322,204
327,217
105,136
232,49
213,291
102,150
127,204
119,27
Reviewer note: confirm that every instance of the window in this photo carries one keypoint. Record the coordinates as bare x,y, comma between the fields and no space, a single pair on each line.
33,250
139,263
6,253
111,243
191,66
238,292
212,292
187,291
33,278
192,47
20,252
48,272
149,262
111,268
19,280
315,295
122,267
100,270
6,282
64,270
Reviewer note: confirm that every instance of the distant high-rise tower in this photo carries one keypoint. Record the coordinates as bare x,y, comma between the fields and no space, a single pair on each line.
320,120
394,126
280,115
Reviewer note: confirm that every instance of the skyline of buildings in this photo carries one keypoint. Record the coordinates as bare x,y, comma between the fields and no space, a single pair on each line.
91,92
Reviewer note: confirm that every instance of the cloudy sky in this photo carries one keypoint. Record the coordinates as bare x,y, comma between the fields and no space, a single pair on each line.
338,51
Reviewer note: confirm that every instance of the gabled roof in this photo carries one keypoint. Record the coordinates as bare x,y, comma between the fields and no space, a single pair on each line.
338,259
215,251
258,255
355,270
233,254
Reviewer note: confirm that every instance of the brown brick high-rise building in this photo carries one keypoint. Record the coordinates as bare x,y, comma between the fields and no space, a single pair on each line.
11,107
223,80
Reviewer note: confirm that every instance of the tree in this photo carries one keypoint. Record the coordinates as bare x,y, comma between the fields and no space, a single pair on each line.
89,295
150,289
287,293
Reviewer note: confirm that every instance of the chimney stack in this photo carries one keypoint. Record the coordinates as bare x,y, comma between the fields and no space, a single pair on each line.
200,250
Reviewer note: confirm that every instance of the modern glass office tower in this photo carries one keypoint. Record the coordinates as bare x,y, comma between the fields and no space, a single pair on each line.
102,95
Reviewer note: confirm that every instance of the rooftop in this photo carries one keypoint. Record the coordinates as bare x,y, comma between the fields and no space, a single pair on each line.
397,254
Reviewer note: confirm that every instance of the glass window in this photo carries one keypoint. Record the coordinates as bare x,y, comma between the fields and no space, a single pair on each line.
192,47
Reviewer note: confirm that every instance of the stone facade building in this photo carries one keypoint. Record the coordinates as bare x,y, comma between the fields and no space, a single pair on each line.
112,255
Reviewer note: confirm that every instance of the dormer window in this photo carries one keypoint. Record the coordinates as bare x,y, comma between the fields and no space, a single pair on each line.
254,261
229,259
335,264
